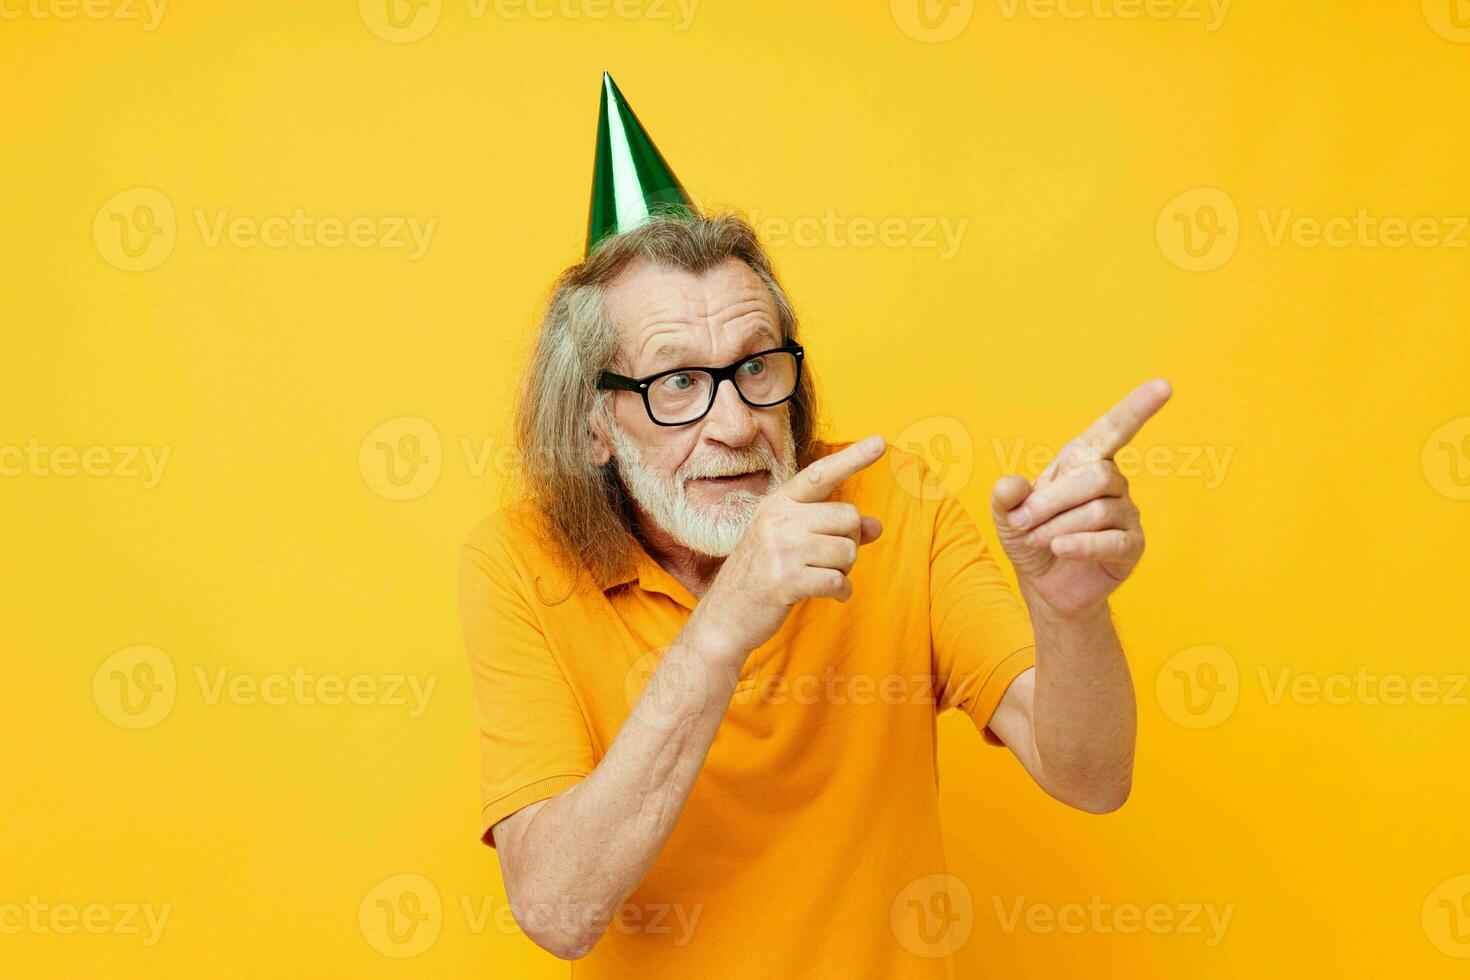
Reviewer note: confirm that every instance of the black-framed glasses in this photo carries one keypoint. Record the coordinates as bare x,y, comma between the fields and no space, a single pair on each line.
684,395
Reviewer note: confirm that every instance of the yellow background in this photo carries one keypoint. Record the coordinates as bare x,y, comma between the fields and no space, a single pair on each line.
1333,541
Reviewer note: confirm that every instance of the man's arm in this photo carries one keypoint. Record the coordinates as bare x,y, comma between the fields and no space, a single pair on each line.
1073,537
1071,719
569,862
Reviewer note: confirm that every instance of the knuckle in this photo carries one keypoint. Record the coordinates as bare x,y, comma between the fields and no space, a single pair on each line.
839,587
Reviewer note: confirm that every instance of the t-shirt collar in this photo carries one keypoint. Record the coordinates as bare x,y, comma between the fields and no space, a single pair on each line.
650,576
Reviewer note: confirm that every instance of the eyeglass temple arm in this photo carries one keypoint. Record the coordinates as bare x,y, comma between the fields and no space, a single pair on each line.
616,381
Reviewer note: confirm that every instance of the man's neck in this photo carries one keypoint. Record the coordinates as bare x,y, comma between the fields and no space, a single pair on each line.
691,569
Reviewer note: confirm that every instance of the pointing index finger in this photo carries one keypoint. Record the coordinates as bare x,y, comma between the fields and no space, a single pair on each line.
1121,423
817,481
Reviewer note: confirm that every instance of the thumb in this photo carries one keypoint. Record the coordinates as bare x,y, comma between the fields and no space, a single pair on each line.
872,527
1007,496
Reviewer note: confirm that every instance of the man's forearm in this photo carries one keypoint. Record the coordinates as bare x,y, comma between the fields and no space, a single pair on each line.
587,849
1083,712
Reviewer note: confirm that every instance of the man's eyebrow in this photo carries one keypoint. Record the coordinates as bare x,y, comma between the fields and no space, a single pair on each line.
668,350
766,336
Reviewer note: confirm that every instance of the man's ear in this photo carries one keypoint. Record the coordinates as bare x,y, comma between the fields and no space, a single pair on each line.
599,444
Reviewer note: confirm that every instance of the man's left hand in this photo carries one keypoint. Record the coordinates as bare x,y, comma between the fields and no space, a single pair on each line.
1074,535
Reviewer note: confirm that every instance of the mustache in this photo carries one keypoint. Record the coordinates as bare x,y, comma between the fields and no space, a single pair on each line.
727,464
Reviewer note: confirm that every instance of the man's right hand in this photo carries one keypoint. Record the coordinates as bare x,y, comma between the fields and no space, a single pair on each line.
799,545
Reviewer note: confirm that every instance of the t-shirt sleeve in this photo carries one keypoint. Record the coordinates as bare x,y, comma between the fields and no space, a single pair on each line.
534,741
981,634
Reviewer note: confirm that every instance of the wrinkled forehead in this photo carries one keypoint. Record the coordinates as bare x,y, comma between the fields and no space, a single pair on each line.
668,317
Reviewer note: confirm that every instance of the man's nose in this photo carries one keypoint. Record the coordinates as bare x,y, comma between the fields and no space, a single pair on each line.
730,420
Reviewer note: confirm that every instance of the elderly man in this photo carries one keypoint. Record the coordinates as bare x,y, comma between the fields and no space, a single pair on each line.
709,649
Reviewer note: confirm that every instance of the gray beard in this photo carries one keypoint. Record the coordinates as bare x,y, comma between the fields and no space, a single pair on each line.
667,504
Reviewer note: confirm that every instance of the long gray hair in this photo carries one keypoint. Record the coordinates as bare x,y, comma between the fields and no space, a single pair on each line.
585,507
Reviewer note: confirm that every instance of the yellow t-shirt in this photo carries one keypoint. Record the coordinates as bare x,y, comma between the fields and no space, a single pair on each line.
807,843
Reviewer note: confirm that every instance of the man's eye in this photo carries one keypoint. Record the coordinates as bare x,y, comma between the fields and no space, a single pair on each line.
753,367
679,382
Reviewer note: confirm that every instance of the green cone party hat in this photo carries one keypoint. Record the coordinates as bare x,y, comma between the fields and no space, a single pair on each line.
631,180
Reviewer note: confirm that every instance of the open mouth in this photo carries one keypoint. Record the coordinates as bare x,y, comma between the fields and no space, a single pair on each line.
752,480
